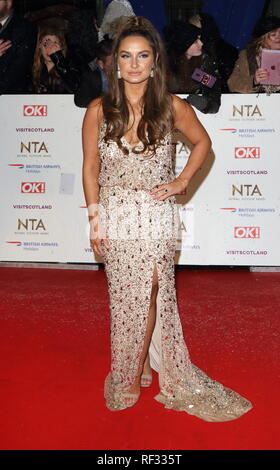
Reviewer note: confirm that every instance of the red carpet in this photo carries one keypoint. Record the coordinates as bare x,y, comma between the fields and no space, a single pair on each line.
55,354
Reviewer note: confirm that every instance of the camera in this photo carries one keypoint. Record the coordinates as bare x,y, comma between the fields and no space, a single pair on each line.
204,78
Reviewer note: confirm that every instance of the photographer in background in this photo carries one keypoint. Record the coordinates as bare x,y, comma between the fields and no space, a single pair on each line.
17,45
193,71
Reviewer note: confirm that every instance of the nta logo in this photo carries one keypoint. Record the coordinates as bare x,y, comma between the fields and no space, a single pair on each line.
31,224
33,187
246,110
246,190
35,110
246,232
33,147
247,152
182,148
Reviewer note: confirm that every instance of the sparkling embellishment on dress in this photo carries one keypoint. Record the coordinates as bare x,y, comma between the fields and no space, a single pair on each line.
129,266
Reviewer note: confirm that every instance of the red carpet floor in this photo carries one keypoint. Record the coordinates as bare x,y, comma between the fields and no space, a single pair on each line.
55,354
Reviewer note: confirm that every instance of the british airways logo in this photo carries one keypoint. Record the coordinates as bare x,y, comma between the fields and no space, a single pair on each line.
16,165
229,209
232,130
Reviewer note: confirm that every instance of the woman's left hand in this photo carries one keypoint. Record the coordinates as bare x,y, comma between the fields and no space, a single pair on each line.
163,191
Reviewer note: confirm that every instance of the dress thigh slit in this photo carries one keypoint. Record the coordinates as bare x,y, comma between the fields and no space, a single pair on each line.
130,300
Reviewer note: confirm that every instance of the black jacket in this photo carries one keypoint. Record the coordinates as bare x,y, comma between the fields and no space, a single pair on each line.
204,98
89,89
215,46
16,63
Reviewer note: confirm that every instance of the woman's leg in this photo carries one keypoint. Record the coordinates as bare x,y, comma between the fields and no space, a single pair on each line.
144,364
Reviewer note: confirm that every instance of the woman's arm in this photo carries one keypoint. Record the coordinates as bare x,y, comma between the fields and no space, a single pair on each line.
91,161
91,169
185,120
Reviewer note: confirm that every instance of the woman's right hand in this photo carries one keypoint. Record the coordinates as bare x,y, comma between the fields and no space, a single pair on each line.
97,243
260,76
97,239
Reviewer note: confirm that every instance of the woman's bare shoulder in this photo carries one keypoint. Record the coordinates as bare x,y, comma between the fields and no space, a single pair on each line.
180,107
95,109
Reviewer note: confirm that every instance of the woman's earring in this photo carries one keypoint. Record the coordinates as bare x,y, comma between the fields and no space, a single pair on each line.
119,74
152,73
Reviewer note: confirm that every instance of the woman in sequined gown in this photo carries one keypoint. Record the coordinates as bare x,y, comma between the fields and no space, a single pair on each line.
130,190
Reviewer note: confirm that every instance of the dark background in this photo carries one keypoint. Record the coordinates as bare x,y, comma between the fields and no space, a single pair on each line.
235,18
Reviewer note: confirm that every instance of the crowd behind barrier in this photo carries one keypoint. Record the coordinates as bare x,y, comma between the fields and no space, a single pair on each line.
224,223
70,53
229,216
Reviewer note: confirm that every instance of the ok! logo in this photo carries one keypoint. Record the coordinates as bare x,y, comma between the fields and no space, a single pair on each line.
247,152
33,187
37,110
247,232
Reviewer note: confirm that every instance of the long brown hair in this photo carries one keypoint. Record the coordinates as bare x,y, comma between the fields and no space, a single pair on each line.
38,59
157,116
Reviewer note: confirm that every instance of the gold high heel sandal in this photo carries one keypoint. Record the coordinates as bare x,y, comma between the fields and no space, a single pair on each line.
130,399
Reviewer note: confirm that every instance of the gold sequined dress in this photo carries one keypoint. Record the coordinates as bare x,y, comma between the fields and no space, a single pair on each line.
142,233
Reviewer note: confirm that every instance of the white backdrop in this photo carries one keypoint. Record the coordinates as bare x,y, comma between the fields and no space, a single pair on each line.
229,217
